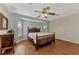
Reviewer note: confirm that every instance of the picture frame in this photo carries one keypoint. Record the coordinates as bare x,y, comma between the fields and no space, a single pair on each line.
3,22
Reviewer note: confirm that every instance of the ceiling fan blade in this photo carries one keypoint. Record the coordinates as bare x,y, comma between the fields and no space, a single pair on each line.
38,11
38,16
51,13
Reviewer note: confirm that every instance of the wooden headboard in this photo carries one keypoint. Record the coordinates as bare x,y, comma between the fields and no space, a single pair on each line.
33,29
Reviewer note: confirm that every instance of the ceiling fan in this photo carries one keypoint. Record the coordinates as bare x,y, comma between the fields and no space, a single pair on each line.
45,13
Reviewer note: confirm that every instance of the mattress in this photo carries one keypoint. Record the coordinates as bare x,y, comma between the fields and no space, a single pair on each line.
33,35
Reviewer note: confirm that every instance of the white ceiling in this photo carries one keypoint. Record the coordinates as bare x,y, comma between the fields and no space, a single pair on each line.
62,9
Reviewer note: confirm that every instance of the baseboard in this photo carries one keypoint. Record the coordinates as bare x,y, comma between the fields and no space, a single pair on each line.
67,41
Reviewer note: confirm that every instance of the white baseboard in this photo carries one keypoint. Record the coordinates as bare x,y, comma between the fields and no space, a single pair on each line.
76,42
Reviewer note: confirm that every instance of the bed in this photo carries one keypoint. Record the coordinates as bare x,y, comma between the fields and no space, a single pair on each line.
40,38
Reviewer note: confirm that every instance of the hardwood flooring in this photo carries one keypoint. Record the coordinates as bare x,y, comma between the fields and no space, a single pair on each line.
61,47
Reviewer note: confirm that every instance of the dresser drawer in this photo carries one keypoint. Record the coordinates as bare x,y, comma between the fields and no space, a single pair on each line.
7,40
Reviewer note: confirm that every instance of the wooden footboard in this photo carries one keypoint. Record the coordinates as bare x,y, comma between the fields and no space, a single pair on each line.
44,40
41,40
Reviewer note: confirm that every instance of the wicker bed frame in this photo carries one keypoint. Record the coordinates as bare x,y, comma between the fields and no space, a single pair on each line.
43,40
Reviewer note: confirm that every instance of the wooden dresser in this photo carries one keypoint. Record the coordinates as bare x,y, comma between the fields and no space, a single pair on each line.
6,42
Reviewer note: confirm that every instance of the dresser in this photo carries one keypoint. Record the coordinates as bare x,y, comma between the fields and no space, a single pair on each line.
6,42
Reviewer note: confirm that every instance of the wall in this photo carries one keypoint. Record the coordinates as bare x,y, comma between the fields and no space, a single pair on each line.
66,28
40,25
4,11
25,24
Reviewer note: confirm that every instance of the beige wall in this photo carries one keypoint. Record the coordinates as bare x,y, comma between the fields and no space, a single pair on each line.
3,10
66,28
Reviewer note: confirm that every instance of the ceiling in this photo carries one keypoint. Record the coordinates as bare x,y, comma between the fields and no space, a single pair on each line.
62,9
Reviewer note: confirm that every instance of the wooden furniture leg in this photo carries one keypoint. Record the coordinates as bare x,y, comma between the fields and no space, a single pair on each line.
0,51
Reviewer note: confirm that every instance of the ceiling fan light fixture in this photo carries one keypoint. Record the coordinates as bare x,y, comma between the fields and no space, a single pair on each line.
42,15
45,14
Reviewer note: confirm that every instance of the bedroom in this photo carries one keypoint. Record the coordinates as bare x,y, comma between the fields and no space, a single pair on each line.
23,18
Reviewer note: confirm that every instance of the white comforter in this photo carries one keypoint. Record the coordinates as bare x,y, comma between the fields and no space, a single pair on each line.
33,35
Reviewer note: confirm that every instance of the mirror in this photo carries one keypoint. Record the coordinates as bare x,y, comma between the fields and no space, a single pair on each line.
3,22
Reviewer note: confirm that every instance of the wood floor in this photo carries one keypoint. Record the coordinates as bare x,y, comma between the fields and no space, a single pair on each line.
61,47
